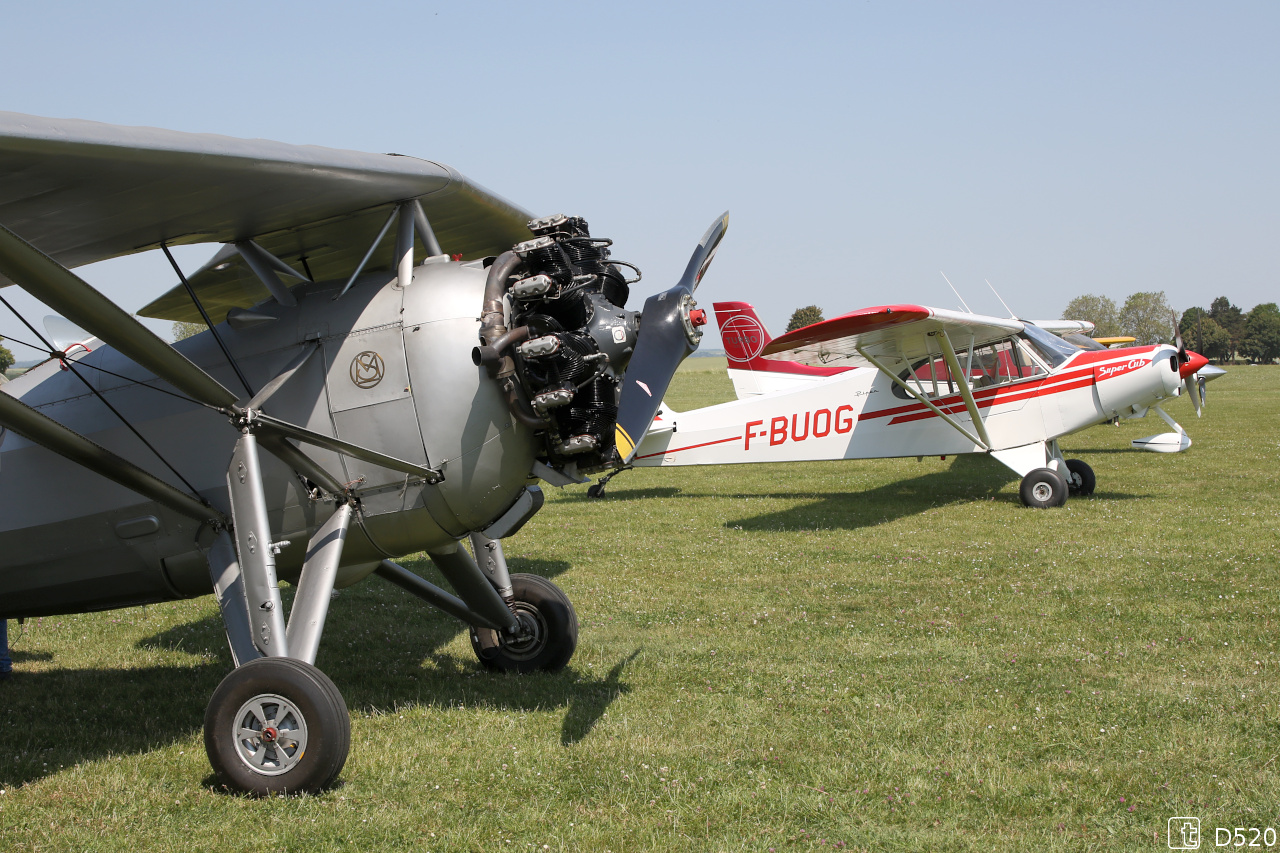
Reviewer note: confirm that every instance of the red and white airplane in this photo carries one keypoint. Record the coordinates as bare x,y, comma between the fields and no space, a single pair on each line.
907,380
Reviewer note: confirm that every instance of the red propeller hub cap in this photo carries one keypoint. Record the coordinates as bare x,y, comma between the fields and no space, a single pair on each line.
1195,361
698,317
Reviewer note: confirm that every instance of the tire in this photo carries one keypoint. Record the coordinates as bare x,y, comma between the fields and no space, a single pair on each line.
549,630
1081,480
277,726
596,491
1043,488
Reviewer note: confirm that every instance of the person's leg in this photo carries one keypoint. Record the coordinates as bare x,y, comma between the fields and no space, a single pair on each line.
6,665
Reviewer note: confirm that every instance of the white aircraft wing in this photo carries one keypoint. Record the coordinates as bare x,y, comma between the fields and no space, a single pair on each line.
1064,327
82,191
888,333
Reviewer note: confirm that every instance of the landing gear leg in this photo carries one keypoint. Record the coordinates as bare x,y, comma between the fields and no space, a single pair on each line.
597,491
546,630
276,724
545,638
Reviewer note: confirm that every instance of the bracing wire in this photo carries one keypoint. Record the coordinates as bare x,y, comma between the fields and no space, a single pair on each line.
71,365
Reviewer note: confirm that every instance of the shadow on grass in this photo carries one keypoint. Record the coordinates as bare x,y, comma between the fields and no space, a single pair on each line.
969,478
383,648
622,493
20,656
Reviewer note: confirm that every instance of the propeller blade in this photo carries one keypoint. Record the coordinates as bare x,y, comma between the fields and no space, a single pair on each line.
669,333
1192,384
1177,340
703,255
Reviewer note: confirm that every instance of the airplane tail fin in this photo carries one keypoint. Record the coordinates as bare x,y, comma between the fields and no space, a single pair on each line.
745,337
743,334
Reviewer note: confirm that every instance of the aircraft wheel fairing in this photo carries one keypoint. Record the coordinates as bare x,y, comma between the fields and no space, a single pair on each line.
1043,488
548,631
277,726
1081,480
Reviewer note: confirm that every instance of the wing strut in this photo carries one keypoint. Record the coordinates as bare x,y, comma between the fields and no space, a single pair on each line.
920,398
69,295
267,267
962,380
367,255
226,353
425,232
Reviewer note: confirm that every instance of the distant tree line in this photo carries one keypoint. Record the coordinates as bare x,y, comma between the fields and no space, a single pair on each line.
1221,333
6,357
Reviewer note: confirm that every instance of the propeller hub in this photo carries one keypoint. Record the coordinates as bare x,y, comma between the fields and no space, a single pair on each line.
1194,361
687,314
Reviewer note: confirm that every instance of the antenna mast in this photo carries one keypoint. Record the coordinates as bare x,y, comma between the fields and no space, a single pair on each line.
1012,316
953,290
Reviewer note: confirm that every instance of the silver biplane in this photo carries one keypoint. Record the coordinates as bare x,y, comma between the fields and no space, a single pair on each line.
395,359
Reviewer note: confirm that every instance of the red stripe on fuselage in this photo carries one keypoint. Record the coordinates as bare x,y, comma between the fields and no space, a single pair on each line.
986,397
690,447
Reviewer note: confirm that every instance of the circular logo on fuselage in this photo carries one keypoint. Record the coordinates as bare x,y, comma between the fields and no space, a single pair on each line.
743,337
367,369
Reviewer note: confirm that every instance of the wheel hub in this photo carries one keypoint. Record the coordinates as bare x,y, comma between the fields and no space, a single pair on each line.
1042,491
530,633
270,734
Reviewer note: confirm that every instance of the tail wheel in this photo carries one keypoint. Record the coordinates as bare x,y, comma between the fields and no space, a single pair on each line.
276,726
547,634
1080,479
1043,488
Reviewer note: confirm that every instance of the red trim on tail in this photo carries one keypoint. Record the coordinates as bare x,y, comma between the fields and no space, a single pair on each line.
745,337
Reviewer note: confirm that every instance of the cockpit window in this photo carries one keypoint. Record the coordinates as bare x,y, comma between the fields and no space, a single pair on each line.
987,365
1048,346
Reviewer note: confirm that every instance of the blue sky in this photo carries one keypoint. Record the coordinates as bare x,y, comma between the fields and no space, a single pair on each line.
861,148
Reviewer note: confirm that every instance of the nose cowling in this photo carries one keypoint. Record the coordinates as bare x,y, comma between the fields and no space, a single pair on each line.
1194,362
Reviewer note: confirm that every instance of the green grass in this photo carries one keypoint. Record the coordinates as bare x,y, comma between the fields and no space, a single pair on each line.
884,655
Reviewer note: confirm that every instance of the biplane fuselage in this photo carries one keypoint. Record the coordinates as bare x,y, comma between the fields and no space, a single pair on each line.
322,428
82,542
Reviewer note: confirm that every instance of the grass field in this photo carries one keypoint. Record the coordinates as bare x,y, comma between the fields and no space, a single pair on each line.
887,655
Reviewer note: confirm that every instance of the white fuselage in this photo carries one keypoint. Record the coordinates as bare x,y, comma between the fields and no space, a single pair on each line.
857,415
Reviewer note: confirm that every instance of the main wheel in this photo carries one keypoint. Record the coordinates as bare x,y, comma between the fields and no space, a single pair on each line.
546,637
1043,488
276,726
1080,479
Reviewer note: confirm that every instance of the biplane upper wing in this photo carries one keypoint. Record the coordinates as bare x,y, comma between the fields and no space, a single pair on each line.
82,191
889,333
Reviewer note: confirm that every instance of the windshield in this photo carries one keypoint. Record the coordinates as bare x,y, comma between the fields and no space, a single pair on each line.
1053,349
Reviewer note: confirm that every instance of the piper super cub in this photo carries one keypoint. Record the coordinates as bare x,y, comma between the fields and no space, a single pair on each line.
906,380
408,391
